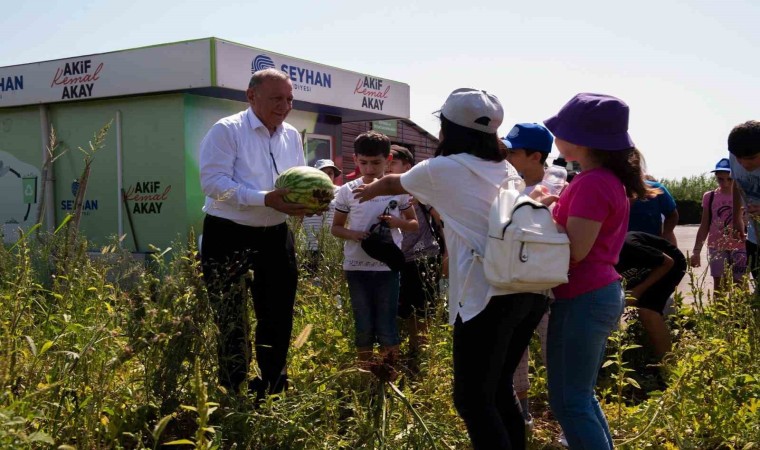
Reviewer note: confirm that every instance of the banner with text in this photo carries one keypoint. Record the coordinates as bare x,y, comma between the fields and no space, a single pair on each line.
313,83
153,69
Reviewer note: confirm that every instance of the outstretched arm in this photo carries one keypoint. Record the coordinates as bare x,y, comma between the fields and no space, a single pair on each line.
704,227
387,185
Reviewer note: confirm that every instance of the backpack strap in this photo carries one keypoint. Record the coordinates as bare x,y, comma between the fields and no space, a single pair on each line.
709,208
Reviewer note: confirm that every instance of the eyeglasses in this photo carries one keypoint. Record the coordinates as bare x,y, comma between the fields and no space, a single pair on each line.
723,179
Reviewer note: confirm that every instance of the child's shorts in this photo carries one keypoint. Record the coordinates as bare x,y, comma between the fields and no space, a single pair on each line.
719,259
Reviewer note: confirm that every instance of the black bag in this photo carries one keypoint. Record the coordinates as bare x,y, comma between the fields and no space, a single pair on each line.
379,245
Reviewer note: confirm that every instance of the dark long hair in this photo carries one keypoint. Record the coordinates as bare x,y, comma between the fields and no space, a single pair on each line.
626,165
458,139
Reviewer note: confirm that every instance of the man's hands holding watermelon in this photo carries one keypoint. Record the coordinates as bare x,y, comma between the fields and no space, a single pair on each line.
276,200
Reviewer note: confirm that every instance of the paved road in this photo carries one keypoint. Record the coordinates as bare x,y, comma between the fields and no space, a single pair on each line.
686,234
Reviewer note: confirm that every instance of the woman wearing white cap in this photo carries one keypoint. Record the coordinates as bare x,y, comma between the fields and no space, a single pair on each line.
492,327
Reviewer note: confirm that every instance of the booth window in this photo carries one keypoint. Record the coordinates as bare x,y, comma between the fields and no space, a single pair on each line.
318,146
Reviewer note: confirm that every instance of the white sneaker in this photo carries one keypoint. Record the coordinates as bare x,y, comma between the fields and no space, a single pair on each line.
563,440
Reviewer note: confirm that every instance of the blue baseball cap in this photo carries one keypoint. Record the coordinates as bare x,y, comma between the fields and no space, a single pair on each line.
530,136
723,166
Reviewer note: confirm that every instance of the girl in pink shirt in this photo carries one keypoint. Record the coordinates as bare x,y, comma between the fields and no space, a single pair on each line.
593,130
724,250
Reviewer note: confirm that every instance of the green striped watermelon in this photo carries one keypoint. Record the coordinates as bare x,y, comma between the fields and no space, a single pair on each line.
308,186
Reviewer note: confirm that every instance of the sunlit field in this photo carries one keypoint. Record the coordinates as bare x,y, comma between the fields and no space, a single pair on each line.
100,350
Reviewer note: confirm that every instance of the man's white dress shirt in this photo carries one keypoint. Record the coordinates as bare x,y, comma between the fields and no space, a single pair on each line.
239,163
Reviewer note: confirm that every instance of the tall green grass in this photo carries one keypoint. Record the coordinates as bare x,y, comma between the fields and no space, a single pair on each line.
105,351
690,188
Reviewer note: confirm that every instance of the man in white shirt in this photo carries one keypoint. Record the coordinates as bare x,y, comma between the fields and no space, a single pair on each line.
245,236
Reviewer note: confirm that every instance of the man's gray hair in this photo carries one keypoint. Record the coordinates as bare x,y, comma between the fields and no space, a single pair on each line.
266,74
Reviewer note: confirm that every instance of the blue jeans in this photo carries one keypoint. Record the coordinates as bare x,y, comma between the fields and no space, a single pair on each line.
578,332
374,299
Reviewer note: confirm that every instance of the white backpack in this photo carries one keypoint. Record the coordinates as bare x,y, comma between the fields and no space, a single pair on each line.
525,252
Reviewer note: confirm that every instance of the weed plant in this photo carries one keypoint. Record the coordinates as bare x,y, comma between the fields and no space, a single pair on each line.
102,350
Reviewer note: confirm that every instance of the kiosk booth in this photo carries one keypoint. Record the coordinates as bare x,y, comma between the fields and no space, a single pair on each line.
161,100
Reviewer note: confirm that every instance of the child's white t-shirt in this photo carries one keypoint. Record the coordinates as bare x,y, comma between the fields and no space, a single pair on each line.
463,199
361,216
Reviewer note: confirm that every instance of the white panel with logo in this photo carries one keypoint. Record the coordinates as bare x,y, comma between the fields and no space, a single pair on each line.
154,69
313,83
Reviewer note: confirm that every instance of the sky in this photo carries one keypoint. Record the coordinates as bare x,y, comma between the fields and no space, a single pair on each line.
689,70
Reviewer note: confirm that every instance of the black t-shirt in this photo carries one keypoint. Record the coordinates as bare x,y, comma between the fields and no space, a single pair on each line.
642,253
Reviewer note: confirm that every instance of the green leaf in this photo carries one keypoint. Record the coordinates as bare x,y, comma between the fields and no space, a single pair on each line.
608,363
41,436
66,447
633,382
24,236
180,442
160,426
45,347
63,223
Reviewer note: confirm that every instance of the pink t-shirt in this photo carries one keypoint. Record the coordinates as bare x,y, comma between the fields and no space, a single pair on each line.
720,235
597,195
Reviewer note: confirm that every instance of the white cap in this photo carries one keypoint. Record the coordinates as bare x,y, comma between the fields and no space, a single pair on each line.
322,163
473,108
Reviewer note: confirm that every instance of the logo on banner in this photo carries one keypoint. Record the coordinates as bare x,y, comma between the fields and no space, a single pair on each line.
261,62
77,78
373,93
303,78
89,205
11,83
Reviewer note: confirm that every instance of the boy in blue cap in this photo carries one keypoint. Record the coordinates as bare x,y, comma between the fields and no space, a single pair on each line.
723,247
529,144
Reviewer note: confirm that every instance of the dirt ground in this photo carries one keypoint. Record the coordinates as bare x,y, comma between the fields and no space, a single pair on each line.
685,235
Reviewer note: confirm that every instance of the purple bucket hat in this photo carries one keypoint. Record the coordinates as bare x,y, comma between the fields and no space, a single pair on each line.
593,120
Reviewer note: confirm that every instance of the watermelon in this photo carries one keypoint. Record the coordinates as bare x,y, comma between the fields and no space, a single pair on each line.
308,186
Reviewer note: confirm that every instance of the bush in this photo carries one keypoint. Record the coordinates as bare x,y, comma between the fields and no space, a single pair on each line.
688,192
103,353
690,188
689,212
